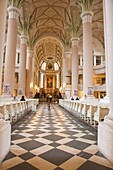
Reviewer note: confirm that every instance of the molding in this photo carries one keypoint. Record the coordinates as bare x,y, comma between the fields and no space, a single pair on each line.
87,16
75,41
13,13
24,39
30,52
68,54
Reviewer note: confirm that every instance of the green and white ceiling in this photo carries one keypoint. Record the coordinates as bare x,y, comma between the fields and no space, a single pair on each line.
50,24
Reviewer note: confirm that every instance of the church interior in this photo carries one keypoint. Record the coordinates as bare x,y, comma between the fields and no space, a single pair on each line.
56,79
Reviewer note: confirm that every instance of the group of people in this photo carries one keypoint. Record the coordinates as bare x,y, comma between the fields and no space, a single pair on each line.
49,98
74,99
15,99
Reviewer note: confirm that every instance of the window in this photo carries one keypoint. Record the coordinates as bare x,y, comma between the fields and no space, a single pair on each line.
18,58
56,67
41,81
50,66
16,77
98,60
4,58
43,66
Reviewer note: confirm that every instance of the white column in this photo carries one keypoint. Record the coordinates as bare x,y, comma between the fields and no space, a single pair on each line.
22,65
9,71
41,80
102,59
3,9
68,67
106,54
44,80
87,50
36,80
64,70
58,80
109,40
74,64
68,61
29,72
54,82
45,83
32,70
68,88
105,129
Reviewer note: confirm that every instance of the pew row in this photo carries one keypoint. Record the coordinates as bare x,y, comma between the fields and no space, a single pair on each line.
93,112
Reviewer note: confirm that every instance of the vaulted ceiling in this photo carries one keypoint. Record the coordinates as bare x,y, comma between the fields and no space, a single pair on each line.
49,49
44,21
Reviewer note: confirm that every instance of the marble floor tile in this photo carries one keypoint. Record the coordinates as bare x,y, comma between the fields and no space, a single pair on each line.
53,140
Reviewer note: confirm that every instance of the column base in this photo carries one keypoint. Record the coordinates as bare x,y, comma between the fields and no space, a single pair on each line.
105,139
6,98
5,139
88,98
68,91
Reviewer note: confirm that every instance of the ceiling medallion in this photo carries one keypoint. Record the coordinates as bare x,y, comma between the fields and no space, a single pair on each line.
50,58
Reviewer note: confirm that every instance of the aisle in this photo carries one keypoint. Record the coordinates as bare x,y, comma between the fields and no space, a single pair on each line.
54,140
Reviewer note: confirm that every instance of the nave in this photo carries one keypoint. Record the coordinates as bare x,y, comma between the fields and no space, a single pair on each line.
54,140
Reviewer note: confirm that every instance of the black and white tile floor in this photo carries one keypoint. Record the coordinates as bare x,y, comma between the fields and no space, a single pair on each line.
54,140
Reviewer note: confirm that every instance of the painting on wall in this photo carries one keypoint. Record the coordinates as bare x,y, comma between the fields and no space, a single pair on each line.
20,91
7,89
75,92
49,81
90,90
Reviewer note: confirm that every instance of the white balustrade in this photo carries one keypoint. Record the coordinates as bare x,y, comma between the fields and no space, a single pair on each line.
13,110
76,107
5,138
100,114
84,111
90,113
91,109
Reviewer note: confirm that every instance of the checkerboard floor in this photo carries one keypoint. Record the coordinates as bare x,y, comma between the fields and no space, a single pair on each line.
53,140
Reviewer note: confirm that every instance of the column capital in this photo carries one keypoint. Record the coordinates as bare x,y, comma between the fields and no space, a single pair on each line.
68,54
74,41
24,39
87,16
13,12
30,52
